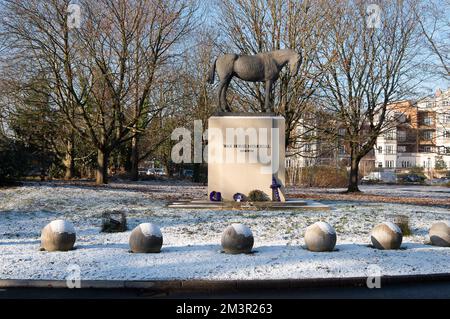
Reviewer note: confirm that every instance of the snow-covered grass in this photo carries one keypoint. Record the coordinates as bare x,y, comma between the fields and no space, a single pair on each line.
192,237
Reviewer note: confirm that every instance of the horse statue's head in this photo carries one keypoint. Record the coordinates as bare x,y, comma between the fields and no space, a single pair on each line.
294,62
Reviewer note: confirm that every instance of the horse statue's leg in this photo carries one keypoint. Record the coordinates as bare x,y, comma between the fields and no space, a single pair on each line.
224,66
222,94
269,84
219,94
226,84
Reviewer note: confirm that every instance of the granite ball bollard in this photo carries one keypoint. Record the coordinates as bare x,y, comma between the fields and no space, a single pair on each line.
146,238
237,239
59,235
320,237
386,235
440,234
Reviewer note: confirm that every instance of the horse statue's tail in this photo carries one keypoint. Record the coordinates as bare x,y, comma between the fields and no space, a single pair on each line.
212,72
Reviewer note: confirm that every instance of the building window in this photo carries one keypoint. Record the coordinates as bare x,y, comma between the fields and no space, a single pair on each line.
427,120
426,149
446,134
390,135
308,148
389,164
288,163
443,150
447,118
427,135
390,149
400,117
401,136
401,149
342,131
406,164
427,163
380,150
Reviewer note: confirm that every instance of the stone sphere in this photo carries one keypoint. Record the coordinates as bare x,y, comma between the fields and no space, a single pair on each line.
440,234
386,235
320,236
146,238
237,239
59,235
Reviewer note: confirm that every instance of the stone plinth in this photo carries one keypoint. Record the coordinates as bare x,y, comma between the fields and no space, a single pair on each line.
245,153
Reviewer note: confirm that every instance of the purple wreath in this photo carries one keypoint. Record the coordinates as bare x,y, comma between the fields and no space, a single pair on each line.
239,196
215,196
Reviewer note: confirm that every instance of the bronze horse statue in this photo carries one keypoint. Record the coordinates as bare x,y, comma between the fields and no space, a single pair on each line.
261,67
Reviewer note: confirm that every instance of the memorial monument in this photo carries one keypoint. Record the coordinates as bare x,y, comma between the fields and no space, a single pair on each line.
246,151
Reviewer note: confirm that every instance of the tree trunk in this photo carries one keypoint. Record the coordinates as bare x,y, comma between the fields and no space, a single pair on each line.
102,167
69,161
134,159
353,180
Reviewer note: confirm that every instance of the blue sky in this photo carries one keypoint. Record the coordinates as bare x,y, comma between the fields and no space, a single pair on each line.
426,87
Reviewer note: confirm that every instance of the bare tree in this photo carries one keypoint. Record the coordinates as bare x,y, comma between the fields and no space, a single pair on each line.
39,42
200,95
136,40
188,97
103,70
367,66
434,23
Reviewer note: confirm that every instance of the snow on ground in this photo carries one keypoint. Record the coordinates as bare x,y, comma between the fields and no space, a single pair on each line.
191,247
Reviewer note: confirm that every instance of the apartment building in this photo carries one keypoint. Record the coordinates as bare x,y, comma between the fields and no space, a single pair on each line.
398,146
313,149
420,136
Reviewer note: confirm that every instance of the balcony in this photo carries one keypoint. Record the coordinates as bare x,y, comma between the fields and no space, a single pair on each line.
406,154
427,149
402,149
427,127
427,143
410,140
